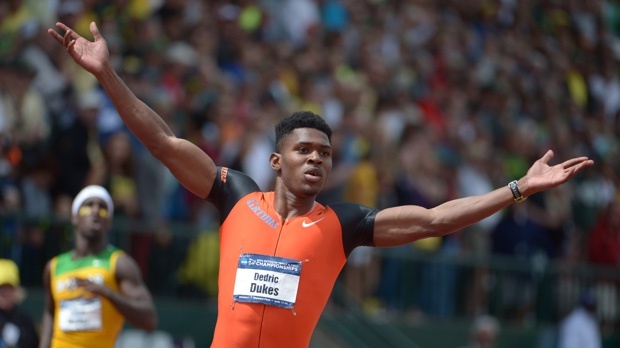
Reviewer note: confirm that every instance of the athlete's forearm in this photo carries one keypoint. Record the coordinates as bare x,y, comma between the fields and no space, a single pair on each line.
47,324
192,167
405,224
143,122
139,312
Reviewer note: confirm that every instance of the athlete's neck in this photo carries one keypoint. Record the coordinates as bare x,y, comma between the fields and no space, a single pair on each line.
85,247
288,206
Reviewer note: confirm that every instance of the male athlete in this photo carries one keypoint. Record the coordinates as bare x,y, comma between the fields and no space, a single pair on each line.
281,251
92,289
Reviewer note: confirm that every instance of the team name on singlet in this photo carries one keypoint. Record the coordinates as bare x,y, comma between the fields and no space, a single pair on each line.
268,219
70,283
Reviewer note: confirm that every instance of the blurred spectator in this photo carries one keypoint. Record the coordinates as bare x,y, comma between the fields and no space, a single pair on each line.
484,332
76,142
10,222
258,143
580,328
13,15
594,192
603,249
71,11
295,19
361,273
37,53
474,178
37,182
8,175
23,111
605,88
603,245
517,235
167,252
199,270
422,181
17,328
117,174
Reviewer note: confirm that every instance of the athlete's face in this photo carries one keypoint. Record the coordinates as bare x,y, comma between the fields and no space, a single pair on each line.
92,219
305,161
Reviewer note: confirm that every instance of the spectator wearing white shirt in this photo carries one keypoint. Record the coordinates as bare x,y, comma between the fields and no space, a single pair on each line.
580,329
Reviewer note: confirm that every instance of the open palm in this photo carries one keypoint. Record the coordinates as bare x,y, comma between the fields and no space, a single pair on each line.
91,55
541,176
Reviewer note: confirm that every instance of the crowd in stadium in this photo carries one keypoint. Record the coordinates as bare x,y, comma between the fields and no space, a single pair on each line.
428,100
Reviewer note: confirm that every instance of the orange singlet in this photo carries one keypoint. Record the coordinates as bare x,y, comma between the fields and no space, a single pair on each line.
275,276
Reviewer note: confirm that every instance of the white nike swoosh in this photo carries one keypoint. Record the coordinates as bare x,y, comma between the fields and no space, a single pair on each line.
308,224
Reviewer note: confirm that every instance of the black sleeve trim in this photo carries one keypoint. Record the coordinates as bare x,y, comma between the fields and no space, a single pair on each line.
228,188
358,225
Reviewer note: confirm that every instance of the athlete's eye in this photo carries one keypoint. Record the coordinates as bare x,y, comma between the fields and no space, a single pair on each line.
103,213
85,210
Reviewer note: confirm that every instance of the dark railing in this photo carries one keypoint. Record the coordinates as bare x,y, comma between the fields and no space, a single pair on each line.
180,261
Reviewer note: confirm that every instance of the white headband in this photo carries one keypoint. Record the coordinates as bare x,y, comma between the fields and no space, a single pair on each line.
90,192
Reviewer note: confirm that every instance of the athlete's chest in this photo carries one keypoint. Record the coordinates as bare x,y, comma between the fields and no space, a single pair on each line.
65,284
254,227
97,269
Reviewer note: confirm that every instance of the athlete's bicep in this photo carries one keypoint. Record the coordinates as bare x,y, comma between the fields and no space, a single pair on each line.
47,319
402,225
130,279
47,287
189,164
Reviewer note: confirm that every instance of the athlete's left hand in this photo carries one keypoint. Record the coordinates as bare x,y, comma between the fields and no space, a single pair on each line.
541,176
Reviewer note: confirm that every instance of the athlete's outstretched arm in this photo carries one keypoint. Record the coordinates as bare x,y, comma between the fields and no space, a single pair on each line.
187,162
404,224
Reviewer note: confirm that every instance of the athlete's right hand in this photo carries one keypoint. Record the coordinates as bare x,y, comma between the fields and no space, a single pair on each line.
90,286
92,56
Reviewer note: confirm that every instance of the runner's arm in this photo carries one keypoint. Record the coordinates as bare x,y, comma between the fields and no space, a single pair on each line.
192,167
47,321
133,301
405,224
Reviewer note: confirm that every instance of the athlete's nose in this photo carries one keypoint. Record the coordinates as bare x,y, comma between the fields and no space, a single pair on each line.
315,157
101,210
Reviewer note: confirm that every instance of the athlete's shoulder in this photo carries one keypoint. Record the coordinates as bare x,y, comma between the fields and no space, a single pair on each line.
228,188
230,182
231,176
352,209
63,257
357,222
112,250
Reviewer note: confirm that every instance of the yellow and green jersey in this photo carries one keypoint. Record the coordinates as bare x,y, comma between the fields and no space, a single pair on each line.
81,318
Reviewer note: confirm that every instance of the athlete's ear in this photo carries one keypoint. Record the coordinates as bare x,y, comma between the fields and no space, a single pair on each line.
274,161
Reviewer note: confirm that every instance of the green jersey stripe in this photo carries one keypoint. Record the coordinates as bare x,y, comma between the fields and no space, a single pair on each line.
64,262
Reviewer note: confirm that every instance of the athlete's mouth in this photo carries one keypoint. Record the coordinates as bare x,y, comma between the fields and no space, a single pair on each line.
313,174
96,223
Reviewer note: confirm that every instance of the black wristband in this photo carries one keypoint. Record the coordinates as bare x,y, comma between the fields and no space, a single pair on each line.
516,194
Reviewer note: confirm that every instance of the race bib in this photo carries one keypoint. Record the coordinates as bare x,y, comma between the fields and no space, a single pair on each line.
267,280
81,314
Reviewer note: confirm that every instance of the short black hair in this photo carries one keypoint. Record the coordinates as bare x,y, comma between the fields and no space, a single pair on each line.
300,119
